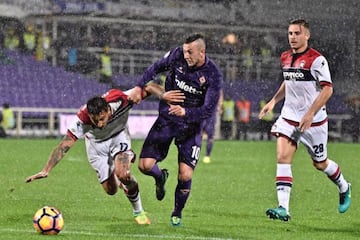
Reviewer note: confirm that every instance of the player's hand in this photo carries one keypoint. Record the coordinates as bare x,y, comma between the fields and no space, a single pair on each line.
173,96
306,122
267,108
176,110
37,176
134,95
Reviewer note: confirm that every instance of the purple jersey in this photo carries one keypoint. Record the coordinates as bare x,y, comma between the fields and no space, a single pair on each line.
201,85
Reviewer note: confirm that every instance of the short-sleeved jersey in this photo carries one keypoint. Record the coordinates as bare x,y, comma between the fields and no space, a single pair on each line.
120,107
201,85
304,75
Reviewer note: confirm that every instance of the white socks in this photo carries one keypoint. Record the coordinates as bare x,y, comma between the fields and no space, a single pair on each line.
284,184
334,173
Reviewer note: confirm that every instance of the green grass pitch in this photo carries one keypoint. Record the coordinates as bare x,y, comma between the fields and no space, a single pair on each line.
228,199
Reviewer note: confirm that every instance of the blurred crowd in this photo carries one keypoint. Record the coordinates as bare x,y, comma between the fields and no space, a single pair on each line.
244,51
28,39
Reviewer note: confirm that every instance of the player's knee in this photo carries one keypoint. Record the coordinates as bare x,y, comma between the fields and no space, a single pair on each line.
111,193
145,165
185,176
320,165
141,166
110,189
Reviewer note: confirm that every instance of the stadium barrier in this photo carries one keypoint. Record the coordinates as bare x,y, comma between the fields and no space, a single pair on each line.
52,122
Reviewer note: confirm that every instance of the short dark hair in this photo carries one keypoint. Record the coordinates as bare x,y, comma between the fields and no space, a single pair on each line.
194,37
96,105
301,22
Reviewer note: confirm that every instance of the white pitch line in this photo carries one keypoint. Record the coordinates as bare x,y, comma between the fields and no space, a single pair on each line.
140,236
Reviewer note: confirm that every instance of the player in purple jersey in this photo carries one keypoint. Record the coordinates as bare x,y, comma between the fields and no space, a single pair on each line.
208,127
306,88
194,74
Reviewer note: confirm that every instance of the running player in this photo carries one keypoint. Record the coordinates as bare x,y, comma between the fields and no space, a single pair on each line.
208,127
195,75
307,86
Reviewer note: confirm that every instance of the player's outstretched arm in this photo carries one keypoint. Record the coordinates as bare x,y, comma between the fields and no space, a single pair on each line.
135,94
56,155
173,96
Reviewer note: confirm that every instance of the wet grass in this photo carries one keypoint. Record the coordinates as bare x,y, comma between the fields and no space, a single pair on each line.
228,199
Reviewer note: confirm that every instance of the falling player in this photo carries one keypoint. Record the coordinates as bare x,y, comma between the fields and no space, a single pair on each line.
103,124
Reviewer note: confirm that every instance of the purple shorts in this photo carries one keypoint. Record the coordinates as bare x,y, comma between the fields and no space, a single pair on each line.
187,138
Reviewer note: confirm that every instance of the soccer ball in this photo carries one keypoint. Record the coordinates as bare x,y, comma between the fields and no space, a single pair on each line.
48,221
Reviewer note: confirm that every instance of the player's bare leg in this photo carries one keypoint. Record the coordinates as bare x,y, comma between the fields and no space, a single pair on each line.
130,185
111,185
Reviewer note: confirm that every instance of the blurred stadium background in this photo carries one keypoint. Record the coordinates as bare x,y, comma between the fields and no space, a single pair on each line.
244,37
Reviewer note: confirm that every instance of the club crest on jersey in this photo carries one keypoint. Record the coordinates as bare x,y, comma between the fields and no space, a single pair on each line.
202,80
302,64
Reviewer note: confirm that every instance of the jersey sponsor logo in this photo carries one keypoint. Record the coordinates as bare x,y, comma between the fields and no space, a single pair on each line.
187,88
293,76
